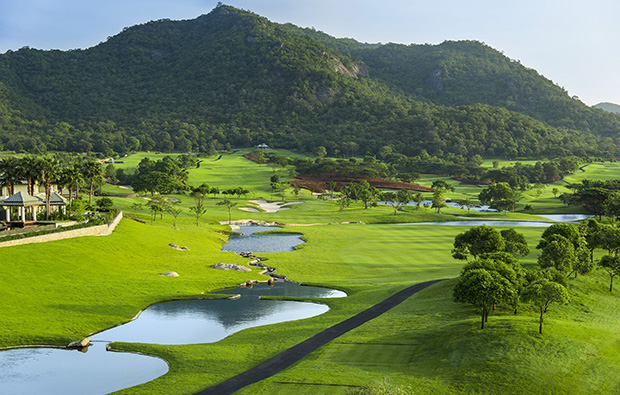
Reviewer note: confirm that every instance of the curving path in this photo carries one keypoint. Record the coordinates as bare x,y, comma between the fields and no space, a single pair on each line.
295,353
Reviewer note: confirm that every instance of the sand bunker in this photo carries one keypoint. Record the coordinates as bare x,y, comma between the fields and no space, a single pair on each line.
268,207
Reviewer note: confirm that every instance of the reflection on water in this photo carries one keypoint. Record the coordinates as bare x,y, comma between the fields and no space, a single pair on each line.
480,223
55,371
206,321
277,242
291,290
566,217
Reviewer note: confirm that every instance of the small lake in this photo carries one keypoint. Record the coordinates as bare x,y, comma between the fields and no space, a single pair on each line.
58,371
249,241
484,222
566,217
480,208
207,321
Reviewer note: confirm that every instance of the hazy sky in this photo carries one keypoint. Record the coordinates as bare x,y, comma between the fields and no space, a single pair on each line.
570,42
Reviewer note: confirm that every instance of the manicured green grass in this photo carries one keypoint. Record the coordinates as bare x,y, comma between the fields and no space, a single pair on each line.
62,291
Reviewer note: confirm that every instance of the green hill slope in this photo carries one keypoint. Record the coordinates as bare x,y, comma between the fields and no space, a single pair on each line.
233,77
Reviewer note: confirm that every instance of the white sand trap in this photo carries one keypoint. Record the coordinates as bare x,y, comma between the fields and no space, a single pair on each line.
268,207
250,209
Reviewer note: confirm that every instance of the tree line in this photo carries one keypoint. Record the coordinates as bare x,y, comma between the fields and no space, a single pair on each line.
493,276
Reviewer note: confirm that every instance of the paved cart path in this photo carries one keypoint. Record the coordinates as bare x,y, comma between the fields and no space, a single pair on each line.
295,353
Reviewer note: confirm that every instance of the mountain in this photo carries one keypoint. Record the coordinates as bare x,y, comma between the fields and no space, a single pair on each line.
233,78
610,107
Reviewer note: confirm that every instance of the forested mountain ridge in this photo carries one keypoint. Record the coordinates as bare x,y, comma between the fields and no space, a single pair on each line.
232,77
456,73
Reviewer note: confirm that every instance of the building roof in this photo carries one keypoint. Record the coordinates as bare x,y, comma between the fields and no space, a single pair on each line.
21,199
57,200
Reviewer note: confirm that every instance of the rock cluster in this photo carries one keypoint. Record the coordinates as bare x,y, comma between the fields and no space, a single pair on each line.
230,266
176,247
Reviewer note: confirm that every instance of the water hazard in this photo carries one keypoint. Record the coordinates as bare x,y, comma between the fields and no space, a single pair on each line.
56,371
59,371
250,241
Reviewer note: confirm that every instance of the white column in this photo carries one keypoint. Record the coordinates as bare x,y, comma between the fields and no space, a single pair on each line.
34,212
23,213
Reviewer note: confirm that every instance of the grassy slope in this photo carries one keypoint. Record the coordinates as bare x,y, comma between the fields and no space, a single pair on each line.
93,283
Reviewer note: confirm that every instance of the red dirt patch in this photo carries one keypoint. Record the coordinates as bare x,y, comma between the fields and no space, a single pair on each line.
319,183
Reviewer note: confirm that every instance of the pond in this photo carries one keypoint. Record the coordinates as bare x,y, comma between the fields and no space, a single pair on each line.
482,222
59,371
479,208
249,241
207,321
566,217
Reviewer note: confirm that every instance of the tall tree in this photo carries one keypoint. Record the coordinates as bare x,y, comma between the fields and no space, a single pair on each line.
544,292
476,241
483,288
50,174
92,171
229,205
611,264
28,167
199,205
9,173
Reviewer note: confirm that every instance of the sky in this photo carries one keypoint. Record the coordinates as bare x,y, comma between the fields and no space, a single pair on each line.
570,42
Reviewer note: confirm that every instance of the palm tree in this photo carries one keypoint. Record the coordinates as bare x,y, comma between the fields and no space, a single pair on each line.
91,170
50,174
9,173
229,205
72,177
29,169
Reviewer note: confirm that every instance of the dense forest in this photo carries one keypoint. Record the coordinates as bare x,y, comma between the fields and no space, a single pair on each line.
233,79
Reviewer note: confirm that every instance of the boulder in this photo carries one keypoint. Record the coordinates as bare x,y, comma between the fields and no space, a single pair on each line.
79,344
169,274
231,266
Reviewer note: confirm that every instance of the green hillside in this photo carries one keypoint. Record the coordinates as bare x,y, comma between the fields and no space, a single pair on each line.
233,78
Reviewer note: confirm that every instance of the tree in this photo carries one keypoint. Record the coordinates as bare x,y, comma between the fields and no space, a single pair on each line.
575,259
441,184
544,292
476,241
589,230
467,203
396,200
483,288
229,205
105,203
507,266
28,167
417,199
155,209
499,196
319,151
136,207
174,210
91,171
199,205
611,264
439,200
559,253
9,173
72,178
515,243
555,192
50,168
